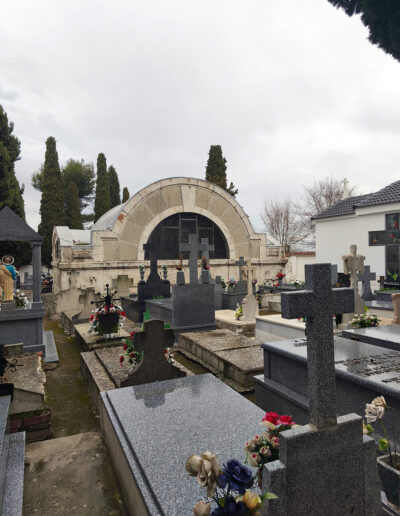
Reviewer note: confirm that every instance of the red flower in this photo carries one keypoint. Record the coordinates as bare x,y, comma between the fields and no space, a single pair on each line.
125,346
132,333
272,417
285,420
131,354
111,306
91,317
123,314
121,358
280,275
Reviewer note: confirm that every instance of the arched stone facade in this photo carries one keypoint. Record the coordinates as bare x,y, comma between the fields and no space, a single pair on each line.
114,247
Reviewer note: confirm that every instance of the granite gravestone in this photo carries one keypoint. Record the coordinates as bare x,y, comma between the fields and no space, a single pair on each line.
366,278
334,275
154,367
343,478
23,325
185,416
234,295
192,306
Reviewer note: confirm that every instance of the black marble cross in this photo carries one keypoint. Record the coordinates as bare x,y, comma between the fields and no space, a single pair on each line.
366,278
153,251
318,303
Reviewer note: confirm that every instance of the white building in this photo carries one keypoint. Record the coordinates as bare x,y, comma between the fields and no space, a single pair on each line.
371,222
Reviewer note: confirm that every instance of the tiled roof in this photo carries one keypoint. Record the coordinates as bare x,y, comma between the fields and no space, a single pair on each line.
341,208
387,195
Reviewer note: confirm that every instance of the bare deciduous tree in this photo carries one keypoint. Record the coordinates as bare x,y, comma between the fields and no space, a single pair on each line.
318,197
282,222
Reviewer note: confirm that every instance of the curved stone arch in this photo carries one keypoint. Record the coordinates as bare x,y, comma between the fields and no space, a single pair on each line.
130,224
171,211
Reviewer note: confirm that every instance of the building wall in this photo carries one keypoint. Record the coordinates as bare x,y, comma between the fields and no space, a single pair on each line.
295,266
334,237
117,239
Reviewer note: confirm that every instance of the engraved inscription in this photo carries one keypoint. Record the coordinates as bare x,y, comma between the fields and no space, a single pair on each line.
377,364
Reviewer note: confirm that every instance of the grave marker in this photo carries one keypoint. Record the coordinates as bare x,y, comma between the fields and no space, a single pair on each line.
353,264
366,278
318,302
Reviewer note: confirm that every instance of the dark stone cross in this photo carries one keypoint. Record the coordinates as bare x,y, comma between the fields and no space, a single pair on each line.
194,247
240,263
205,248
366,277
154,251
318,303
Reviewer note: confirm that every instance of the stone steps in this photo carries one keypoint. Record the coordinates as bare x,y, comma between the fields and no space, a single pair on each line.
12,455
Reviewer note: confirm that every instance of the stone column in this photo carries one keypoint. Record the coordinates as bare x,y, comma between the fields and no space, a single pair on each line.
37,271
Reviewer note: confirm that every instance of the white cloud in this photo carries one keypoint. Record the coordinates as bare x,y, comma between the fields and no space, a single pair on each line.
293,91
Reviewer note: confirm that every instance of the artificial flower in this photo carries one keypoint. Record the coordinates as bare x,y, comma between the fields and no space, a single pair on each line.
272,417
373,413
379,402
237,474
201,508
207,470
285,420
250,499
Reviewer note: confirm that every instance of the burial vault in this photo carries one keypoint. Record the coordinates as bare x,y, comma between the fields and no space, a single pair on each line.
164,213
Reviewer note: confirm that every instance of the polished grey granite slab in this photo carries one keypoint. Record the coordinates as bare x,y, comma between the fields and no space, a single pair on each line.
159,425
387,336
365,364
379,305
51,354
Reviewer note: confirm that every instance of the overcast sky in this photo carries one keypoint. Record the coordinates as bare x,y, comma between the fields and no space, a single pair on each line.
291,90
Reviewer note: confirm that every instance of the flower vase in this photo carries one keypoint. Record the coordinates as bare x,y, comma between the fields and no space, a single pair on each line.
280,282
141,272
390,479
165,274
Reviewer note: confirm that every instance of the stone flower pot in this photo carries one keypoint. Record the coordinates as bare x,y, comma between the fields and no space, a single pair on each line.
390,479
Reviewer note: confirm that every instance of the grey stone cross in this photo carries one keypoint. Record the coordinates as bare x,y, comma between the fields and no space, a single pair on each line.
366,278
240,263
205,248
193,248
318,303
153,250
249,270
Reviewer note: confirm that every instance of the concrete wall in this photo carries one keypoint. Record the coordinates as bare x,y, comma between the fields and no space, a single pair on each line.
295,266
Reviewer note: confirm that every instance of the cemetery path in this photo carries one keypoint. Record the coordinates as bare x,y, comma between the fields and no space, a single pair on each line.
70,473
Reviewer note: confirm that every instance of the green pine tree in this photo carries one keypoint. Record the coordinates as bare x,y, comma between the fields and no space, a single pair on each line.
52,201
125,194
115,198
382,17
216,170
102,200
72,207
11,193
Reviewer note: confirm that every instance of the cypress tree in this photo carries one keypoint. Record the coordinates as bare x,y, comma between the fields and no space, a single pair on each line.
72,207
102,200
115,198
10,189
125,194
52,201
216,170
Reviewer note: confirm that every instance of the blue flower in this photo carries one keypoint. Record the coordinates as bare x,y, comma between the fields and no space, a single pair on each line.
237,474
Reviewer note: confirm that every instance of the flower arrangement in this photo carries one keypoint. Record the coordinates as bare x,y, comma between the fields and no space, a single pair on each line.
365,320
280,275
132,356
227,486
179,267
298,284
254,281
393,275
133,295
141,267
105,309
223,284
204,263
265,447
375,411
232,283
164,267
169,355
239,311
20,299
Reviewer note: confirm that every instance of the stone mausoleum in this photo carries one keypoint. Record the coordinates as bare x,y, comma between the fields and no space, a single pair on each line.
165,213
